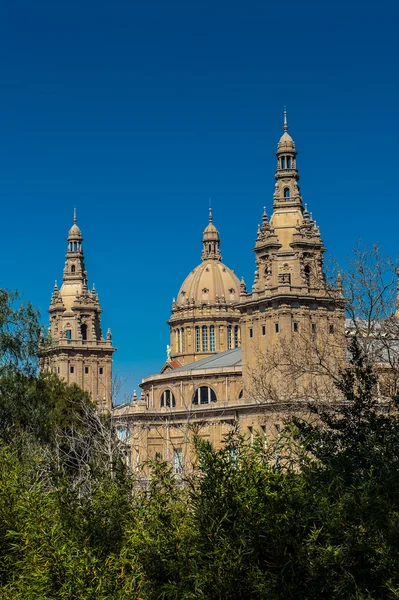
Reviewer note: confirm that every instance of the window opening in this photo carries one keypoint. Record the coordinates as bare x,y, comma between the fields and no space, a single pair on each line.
204,395
212,338
286,192
178,460
83,330
204,338
263,329
229,337
168,399
197,339
236,341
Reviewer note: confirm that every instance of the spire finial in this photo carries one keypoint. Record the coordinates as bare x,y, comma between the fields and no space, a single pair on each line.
285,119
74,215
210,214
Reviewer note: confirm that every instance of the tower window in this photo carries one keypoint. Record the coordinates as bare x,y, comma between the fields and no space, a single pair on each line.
83,330
73,269
86,370
69,334
168,399
276,327
295,327
72,369
101,370
212,338
331,329
283,162
286,192
288,162
204,338
204,395
263,329
313,327
251,332
178,339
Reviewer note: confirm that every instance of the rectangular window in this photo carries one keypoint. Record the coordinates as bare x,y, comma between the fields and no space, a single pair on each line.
100,370
86,370
331,329
197,339
251,332
236,341
183,342
71,369
276,327
58,370
204,338
212,336
295,327
313,327
178,460
263,329
69,334
229,337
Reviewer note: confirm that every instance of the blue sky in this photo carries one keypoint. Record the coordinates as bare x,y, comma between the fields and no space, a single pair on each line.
138,112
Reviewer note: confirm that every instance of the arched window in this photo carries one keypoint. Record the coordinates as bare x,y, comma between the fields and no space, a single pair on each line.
229,337
204,395
204,338
286,192
83,330
236,340
73,269
283,162
197,339
288,162
69,334
168,399
212,338
178,339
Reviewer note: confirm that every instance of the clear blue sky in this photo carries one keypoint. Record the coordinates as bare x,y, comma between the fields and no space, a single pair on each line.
138,112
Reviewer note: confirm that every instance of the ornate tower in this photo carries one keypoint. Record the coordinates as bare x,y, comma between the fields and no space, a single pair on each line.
77,350
291,306
205,318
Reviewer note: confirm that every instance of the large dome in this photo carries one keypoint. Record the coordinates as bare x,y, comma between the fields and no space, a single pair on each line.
209,283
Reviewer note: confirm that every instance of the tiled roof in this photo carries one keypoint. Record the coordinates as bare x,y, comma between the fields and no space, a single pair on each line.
229,358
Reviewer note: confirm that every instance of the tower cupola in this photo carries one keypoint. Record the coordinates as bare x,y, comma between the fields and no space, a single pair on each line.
211,241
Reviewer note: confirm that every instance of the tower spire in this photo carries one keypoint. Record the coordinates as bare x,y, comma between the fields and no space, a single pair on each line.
285,119
74,215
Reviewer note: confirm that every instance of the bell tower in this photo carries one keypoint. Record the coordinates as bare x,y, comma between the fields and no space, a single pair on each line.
291,305
77,350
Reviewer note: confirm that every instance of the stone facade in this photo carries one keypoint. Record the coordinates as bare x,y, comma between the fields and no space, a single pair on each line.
76,349
289,324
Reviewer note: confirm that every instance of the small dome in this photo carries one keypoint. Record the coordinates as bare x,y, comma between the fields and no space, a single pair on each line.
74,232
209,283
286,142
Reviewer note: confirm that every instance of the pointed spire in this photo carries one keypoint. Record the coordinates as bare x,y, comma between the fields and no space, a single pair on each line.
210,214
264,216
285,119
74,215
55,286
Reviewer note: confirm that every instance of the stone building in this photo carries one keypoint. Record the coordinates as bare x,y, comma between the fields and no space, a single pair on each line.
238,357
76,348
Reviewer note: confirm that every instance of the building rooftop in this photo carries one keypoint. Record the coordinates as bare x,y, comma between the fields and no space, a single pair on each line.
229,358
